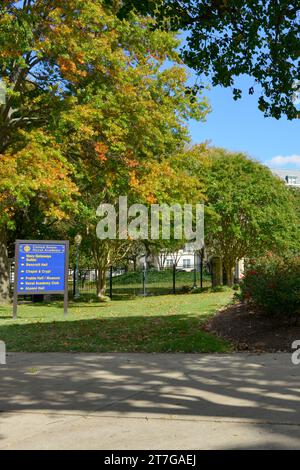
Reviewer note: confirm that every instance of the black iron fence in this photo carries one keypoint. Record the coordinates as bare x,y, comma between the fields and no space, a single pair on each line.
127,284
153,281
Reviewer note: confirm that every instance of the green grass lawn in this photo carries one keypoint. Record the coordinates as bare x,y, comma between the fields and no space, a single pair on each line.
171,323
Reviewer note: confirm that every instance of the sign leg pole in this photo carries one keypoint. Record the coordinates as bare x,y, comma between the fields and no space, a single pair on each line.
15,301
66,304
15,307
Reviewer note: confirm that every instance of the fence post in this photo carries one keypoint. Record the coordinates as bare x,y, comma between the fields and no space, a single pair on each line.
201,269
195,270
144,279
110,282
174,278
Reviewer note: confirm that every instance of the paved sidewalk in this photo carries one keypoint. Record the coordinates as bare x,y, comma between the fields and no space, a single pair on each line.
151,401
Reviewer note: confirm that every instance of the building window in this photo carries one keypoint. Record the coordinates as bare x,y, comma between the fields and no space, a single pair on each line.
186,263
291,179
169,263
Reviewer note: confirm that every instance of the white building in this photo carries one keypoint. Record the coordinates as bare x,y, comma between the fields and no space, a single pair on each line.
290,177
184,259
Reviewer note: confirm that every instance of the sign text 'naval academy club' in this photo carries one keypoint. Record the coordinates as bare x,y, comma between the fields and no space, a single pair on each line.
41,267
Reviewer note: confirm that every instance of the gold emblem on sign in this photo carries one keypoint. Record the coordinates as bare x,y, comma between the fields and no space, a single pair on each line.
27,248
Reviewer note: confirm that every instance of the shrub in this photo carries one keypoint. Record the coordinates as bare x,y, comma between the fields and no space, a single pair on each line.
272,284
185,289
236,287
199,290
220,289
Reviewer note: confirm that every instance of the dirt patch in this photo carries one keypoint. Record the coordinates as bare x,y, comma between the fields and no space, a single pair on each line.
249,330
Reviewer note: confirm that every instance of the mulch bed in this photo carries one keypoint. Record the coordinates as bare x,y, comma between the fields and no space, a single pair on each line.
249,330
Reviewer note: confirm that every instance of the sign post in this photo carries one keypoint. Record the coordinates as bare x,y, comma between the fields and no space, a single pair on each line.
41,267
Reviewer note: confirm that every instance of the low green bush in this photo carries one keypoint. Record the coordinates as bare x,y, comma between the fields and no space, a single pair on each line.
186,289
236,287
199,290
220,288
272,284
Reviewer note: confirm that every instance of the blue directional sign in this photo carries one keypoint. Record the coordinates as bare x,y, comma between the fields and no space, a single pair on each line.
41,267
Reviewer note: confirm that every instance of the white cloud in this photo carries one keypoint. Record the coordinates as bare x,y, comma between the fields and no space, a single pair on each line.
281,161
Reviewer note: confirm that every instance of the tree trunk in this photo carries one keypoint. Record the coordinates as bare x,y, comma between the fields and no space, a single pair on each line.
101,283
4,267
216,267
229,275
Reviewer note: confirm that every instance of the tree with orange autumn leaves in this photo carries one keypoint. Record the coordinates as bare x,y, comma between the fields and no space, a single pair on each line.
125,134
91,106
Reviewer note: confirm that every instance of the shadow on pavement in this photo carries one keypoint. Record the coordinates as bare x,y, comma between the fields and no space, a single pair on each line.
259,389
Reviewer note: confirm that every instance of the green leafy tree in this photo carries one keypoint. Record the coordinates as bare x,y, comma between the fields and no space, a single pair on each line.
249,211
124,131
93,88
228,38
295,192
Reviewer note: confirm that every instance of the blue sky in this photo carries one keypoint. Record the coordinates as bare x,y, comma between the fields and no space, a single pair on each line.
240,126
